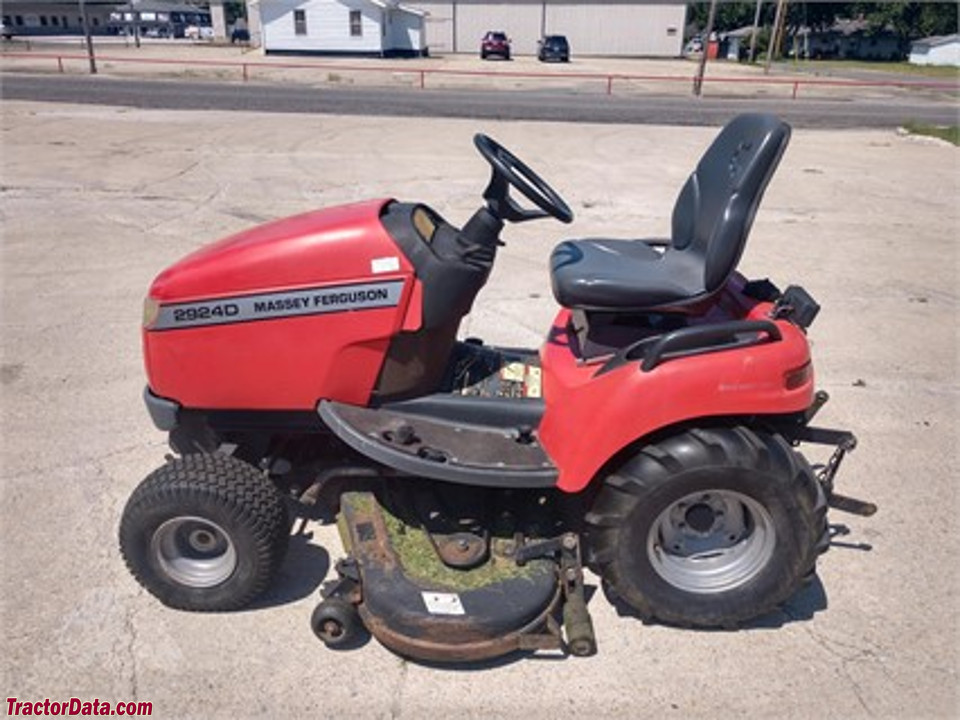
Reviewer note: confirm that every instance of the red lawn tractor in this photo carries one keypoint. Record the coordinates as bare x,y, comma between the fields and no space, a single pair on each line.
652,438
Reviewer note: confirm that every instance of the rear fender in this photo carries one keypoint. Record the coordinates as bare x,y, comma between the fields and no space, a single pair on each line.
591,416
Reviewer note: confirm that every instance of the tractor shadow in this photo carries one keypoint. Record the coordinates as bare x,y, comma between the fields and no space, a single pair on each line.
304,568
810,599
802,606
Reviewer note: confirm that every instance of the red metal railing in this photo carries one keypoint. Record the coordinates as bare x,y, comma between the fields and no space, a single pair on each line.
420,74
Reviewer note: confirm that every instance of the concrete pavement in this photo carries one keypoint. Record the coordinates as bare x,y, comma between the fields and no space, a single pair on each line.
96,201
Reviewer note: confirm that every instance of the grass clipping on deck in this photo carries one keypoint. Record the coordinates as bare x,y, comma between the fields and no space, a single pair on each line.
422,564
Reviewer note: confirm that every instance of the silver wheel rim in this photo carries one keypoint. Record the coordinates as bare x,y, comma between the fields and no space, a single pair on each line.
711,541
194,551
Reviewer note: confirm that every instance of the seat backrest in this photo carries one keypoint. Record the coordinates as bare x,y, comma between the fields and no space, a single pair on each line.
716,207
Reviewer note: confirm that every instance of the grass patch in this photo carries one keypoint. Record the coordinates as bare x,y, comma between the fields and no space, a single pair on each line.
950,133
903,68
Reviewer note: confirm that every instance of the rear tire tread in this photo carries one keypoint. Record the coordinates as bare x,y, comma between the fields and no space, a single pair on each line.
625,493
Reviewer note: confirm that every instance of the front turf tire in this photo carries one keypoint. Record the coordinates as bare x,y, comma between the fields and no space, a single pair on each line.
708,527
205,532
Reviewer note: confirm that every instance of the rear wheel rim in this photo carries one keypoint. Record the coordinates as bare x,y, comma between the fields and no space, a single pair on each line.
194,551
711,541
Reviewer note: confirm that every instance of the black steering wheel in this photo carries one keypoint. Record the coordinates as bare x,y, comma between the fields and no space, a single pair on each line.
509,170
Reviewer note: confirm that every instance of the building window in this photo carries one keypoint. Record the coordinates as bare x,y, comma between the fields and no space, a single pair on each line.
356,24
18,20
671,31
300,22
65,21
43,21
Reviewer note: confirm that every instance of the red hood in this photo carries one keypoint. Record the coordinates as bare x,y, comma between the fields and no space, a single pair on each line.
327,245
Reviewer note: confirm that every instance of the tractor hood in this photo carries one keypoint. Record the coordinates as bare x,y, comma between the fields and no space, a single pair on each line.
345,243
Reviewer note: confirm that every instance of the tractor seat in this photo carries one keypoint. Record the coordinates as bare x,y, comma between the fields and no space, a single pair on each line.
711,220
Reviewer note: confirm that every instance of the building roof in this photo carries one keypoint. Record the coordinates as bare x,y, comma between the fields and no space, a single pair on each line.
936,41
394,5
744,32
161,6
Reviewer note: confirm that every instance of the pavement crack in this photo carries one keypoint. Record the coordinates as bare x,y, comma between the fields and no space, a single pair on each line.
855,686
131,629
396,704
178,175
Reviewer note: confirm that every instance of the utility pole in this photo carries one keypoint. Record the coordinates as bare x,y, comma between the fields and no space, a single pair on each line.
86,32
753,34
453,13
698,78
775,34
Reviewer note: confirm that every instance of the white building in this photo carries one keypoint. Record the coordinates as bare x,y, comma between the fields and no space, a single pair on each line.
638,28
382,28
942,50
593,27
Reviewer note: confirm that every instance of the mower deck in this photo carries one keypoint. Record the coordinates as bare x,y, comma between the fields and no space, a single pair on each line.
419,607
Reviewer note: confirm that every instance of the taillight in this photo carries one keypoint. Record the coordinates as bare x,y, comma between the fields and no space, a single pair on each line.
798,377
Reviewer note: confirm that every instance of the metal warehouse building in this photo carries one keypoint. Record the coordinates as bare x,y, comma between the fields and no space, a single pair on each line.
604,27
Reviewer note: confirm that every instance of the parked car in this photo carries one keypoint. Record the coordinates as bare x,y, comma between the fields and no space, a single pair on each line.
239,35
693,47
495,43
553,47
5,31
198,32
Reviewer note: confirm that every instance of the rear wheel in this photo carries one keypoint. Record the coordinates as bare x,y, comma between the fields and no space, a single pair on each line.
204,532
709,527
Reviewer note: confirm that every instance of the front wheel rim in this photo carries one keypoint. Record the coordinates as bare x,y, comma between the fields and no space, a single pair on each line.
711,541
194,551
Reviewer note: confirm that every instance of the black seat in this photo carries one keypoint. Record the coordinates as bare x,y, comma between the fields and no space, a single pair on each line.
711,221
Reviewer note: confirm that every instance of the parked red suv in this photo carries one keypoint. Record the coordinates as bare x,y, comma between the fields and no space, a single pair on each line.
495,43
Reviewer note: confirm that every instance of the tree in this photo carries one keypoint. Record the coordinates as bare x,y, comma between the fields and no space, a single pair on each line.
910,20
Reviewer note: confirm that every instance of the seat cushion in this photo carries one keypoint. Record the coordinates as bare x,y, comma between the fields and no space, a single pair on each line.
600,274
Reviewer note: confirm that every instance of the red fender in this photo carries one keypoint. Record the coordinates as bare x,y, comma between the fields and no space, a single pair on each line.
589,418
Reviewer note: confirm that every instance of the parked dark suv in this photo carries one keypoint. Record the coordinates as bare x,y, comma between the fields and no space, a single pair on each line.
495,43
554,47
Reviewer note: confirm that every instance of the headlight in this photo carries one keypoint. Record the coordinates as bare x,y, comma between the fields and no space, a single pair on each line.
151,309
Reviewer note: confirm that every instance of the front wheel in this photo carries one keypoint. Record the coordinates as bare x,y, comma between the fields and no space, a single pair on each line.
708,528
204,532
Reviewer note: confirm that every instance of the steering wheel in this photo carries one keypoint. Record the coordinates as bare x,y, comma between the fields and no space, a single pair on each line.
509,170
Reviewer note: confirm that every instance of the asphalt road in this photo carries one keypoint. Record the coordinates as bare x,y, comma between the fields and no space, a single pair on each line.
484,104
